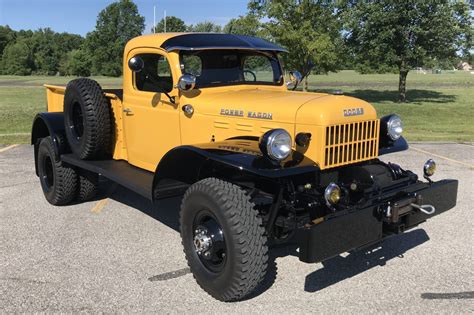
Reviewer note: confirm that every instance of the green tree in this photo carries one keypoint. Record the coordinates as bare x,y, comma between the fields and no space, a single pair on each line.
17,58
116,25
7,35
45,52
245,25
205,27
173,24
402,35
76,62
67,42
309,29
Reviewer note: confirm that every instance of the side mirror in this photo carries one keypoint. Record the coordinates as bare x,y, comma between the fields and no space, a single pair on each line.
295,79
186,82
136,64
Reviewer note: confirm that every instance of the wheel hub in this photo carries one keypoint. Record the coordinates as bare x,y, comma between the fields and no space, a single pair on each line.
47,175
202,241
209,243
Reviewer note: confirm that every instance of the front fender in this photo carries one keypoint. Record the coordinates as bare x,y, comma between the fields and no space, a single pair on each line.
396,146
238,161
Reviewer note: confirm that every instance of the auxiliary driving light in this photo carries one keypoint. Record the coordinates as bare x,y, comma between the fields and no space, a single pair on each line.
332,194
429,168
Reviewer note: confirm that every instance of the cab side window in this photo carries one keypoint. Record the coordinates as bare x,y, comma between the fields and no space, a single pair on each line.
156,74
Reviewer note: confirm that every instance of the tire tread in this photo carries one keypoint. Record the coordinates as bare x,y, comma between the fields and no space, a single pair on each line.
65,185
247,230
97,113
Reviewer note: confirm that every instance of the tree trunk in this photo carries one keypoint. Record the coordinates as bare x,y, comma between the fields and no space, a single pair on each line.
305,85
402,86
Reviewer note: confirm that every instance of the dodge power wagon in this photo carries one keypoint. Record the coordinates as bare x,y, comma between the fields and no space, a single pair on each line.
210,117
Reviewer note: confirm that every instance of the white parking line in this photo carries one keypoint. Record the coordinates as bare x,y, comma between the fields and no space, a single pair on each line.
8,148
444,158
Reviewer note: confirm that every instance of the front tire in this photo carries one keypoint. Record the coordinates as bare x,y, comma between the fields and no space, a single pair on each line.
59,182
223,238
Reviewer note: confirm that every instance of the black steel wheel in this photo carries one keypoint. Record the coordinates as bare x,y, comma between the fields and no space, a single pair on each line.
59,182
87,119
209,242
223,239
77,121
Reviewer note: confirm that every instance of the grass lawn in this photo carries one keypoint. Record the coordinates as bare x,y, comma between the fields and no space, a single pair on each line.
440,107
22,97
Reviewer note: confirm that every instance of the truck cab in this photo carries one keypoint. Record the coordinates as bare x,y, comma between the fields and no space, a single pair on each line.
212,118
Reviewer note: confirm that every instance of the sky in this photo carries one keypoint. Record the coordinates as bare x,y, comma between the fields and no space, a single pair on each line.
79,16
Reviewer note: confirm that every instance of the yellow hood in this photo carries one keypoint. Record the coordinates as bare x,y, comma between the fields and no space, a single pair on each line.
333,110
283,106
280,105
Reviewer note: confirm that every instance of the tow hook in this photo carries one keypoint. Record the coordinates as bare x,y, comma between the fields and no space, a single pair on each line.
393,211
426,209
387,211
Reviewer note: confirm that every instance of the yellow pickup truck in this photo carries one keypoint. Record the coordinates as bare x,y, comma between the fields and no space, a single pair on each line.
212,118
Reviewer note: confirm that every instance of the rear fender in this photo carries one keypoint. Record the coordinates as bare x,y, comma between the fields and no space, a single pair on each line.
49,125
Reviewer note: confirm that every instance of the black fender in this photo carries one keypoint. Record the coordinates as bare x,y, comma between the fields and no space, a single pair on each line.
394,146
49,124
236,160
386,144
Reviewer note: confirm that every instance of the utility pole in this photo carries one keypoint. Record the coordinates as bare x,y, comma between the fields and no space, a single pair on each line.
165,20
154,19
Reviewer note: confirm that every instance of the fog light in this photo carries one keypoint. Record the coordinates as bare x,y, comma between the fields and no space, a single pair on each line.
429,168
332,194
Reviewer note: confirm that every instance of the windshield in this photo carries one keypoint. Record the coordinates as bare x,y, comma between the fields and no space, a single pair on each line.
230,67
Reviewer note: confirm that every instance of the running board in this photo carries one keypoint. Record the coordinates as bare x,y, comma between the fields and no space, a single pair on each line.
129,176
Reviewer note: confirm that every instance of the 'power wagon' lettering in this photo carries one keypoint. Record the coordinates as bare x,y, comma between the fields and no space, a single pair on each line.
240,113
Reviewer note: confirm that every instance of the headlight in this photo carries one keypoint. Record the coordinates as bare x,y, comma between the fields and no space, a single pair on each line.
276,144
394,127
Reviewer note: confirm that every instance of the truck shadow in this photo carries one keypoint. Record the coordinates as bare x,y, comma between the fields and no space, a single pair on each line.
334,270
340,268
414,96
165,211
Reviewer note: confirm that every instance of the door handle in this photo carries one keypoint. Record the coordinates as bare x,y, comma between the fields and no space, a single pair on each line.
127,111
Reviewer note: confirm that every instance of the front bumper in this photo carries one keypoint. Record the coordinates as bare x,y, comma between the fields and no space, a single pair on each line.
371,224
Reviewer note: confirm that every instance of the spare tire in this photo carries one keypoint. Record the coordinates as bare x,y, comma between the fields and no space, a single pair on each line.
87,118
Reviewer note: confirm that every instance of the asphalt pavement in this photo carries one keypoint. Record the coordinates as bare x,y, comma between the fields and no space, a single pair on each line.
120,253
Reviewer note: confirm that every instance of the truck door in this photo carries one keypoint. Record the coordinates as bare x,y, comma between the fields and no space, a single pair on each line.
151,120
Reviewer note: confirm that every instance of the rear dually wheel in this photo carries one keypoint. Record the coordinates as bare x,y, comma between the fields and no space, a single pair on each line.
58,181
